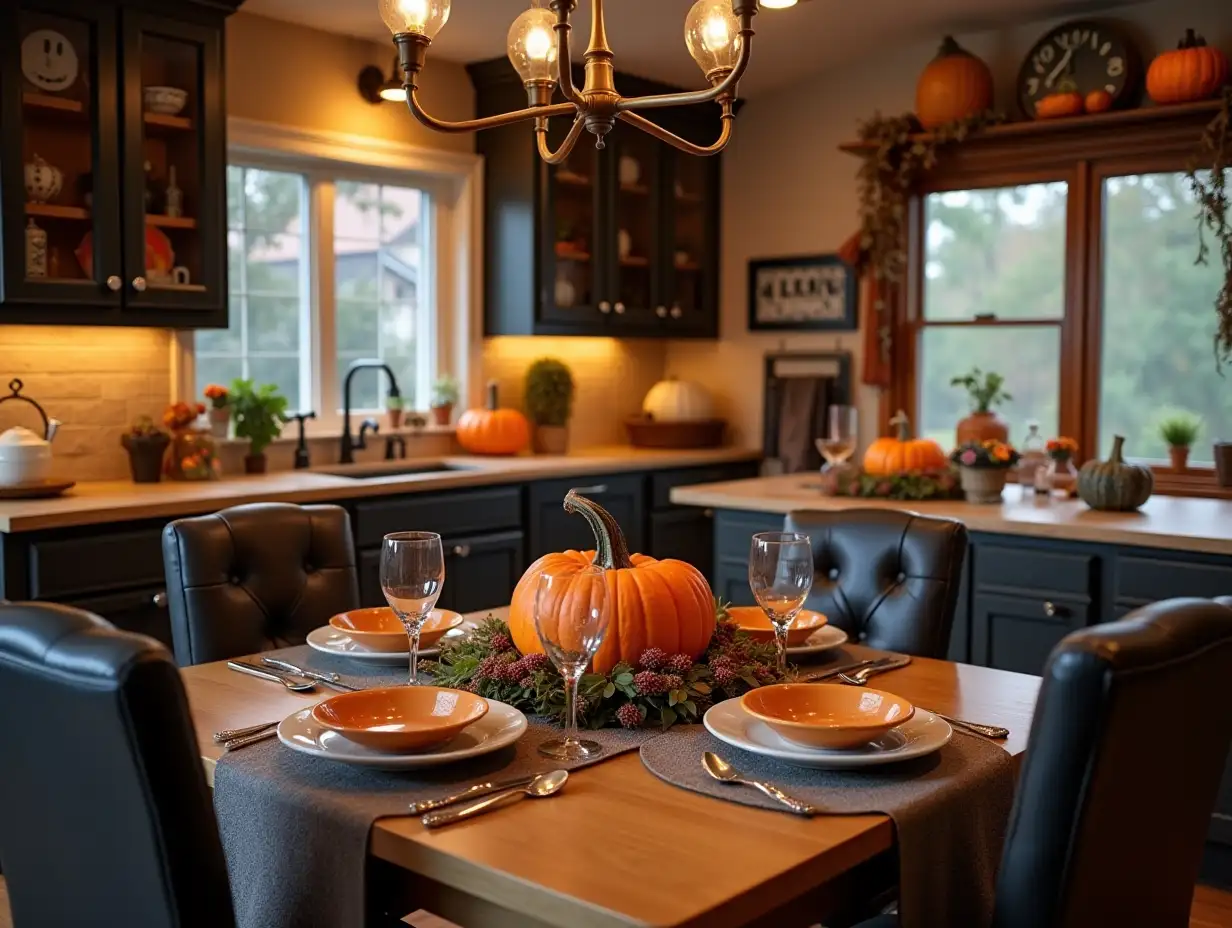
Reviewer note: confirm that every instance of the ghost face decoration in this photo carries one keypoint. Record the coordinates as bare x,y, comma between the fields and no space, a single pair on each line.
49,61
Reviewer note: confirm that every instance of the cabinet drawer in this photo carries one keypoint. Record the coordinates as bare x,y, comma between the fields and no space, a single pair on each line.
686,534
734,531
662,482
95,563
1037,573
448,514
143,611
480,572
552,529
1018,633
1148,580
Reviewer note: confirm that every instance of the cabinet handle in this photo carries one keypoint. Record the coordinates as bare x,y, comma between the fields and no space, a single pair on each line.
462,550
160,599
620,309
661,312
708,513
114,283
597,490
139,284
677,312
1050,609
605,307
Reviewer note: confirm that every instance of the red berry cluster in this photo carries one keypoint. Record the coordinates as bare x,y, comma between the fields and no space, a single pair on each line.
629,715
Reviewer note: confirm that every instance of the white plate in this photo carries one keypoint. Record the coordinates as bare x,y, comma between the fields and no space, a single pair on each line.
329,640
502,726
922,734
825,638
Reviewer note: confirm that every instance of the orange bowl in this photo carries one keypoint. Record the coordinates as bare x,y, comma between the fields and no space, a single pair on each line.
827,715
400,718
753,621
378,629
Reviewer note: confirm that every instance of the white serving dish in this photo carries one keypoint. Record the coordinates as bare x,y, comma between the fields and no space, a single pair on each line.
167,101
825,638
329,640
24,457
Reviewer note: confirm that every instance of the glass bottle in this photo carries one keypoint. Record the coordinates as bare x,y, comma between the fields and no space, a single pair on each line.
1033,457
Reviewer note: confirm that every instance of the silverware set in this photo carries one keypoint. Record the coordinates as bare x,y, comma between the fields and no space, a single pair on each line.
294,678
539,787
721,770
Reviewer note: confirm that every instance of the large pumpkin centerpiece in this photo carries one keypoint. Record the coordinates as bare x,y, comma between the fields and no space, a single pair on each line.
493,430
654,604
1114,485
955,85
903,454
1192,71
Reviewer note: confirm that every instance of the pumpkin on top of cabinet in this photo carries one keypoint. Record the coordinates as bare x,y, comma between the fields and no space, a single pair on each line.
493,430
956,84
654,604
1113,485
902,454
673,400
1192,71
1061,104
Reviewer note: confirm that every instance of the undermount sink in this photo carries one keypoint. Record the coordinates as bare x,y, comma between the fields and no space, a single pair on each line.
391,469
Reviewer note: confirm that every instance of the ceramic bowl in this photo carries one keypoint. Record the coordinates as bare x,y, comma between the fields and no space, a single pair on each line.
399,719
826,715
165,100
752,620
378,629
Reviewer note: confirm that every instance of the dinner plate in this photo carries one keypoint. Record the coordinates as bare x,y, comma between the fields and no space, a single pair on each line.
329,640
502,726
825,638
920,735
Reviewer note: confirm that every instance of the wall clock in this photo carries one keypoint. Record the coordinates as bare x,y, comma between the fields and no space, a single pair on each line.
1080,57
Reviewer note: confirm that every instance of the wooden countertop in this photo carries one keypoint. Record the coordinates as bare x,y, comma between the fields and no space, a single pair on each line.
1174,522
120,501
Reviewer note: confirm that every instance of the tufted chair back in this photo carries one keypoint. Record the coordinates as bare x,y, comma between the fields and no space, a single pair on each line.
252,578
889,579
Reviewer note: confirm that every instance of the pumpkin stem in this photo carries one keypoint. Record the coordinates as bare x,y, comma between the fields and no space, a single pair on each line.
1190,40
903,424
493,399
1118,442
611,549
949,47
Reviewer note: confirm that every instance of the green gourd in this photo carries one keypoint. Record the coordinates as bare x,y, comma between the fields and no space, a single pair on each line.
1113,485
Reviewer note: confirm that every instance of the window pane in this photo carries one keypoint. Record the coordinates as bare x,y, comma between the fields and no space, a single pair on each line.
1028,356
1158,318
998,251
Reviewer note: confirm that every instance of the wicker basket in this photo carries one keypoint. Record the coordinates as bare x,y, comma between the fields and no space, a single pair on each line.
702,433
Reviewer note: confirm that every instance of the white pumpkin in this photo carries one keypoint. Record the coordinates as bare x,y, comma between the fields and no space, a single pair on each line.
675,400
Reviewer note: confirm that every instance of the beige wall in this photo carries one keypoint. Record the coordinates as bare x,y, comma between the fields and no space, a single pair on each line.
788,190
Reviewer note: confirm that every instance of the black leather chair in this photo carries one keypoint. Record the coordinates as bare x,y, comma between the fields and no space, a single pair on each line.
257,577
1127,747
889,579
107,819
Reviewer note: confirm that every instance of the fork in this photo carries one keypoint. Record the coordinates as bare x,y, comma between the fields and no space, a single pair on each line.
995,732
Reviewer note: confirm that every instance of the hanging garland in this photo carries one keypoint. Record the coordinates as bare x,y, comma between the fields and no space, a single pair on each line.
1215,214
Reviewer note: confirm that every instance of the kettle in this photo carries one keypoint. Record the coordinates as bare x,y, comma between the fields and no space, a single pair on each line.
25,458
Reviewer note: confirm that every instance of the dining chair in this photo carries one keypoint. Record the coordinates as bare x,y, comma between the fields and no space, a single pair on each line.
107,816
256,577
889,579
1126,751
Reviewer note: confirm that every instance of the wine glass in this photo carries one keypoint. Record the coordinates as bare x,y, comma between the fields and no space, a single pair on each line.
842,432
412,574
781,575
572,610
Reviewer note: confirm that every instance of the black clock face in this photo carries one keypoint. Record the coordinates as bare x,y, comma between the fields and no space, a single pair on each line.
1079,57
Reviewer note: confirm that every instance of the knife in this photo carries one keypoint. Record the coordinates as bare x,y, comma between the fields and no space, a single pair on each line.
264,673
329,679
829,672
475,792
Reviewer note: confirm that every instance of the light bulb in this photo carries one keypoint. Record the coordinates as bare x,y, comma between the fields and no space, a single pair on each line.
778,4
532,45
712,34
392,94
422,17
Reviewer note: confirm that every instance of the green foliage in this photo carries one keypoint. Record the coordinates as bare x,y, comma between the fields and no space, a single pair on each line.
445,391
985,390
549,392
917,485
1180,429
145,427
1212,187
258,412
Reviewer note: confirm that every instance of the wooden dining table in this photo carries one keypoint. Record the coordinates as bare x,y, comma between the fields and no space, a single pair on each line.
620,848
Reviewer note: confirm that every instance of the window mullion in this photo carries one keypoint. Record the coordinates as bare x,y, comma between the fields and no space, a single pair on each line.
324,304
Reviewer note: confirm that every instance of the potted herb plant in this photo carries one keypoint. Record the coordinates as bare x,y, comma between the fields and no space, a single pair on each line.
986,390
982,468
259,414
146,443
445,395
219,412
549,404
1179,431
394,406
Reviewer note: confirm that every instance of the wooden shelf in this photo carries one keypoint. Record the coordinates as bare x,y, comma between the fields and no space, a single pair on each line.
163,121
636,190
580,256
635,261
689,266
46,101
52,211
170,222
572,180
179,288
691,199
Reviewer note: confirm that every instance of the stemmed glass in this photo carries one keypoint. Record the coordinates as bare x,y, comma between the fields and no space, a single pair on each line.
572,611
412,574
842,433
781,575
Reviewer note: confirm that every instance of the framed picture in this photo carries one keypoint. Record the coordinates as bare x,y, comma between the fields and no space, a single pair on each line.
806,293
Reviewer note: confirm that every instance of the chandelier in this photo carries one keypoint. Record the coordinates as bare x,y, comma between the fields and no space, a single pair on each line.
717,33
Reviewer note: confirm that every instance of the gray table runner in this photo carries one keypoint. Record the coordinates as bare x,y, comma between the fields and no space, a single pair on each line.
950,810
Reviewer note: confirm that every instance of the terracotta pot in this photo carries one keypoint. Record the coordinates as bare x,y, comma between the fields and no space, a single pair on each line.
1179,455
255,463
981,426
395,418
983,484
1223,463
441,415
551,439
220,422
145,456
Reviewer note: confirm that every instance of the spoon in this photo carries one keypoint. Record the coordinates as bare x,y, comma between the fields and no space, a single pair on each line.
720,769
542,786
295,686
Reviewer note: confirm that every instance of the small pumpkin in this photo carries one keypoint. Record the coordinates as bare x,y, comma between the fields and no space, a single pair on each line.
1192,71
1113,485
655,604
1058,105
954,85
1098,101
493,430
903,453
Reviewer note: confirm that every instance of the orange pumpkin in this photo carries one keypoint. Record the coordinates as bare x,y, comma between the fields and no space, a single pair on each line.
1057,105
1098,101
903,453
493,430
955,85
1193,71
654,604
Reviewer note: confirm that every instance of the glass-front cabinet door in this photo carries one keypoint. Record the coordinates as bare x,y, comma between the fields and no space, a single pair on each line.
59,141
636,162
691,257
573,240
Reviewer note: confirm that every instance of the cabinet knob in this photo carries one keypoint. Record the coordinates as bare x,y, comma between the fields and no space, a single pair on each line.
677,312
597,490
139,284
605,307
708,513
462,550
661,312
160,599
1050,609
620,309
114,283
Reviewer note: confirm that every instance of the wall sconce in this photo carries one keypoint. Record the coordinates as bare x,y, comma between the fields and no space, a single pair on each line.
375,88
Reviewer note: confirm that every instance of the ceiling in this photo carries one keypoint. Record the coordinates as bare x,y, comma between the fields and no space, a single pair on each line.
648,35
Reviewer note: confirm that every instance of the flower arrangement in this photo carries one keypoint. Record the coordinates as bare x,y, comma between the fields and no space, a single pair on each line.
146,442
986,454
217,395
986,390
1061,448
916,485
661,689
180,415
145,427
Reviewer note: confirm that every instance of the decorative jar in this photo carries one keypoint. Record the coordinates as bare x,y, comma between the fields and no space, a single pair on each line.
983,484
191,456
1062,478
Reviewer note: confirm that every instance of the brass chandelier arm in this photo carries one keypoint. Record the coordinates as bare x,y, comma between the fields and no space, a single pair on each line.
564,62
724,88
676,141
566,147
487,122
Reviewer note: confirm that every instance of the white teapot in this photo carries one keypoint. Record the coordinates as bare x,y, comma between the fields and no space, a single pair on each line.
24,457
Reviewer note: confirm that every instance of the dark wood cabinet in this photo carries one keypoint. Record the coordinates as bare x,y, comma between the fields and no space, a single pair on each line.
549,528
618,241
1016,632
113,163
686,535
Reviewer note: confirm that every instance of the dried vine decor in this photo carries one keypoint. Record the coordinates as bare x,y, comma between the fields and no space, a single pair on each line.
1215,214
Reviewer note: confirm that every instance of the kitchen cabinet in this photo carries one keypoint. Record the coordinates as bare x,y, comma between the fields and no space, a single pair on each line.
619,241
113,163
549,528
